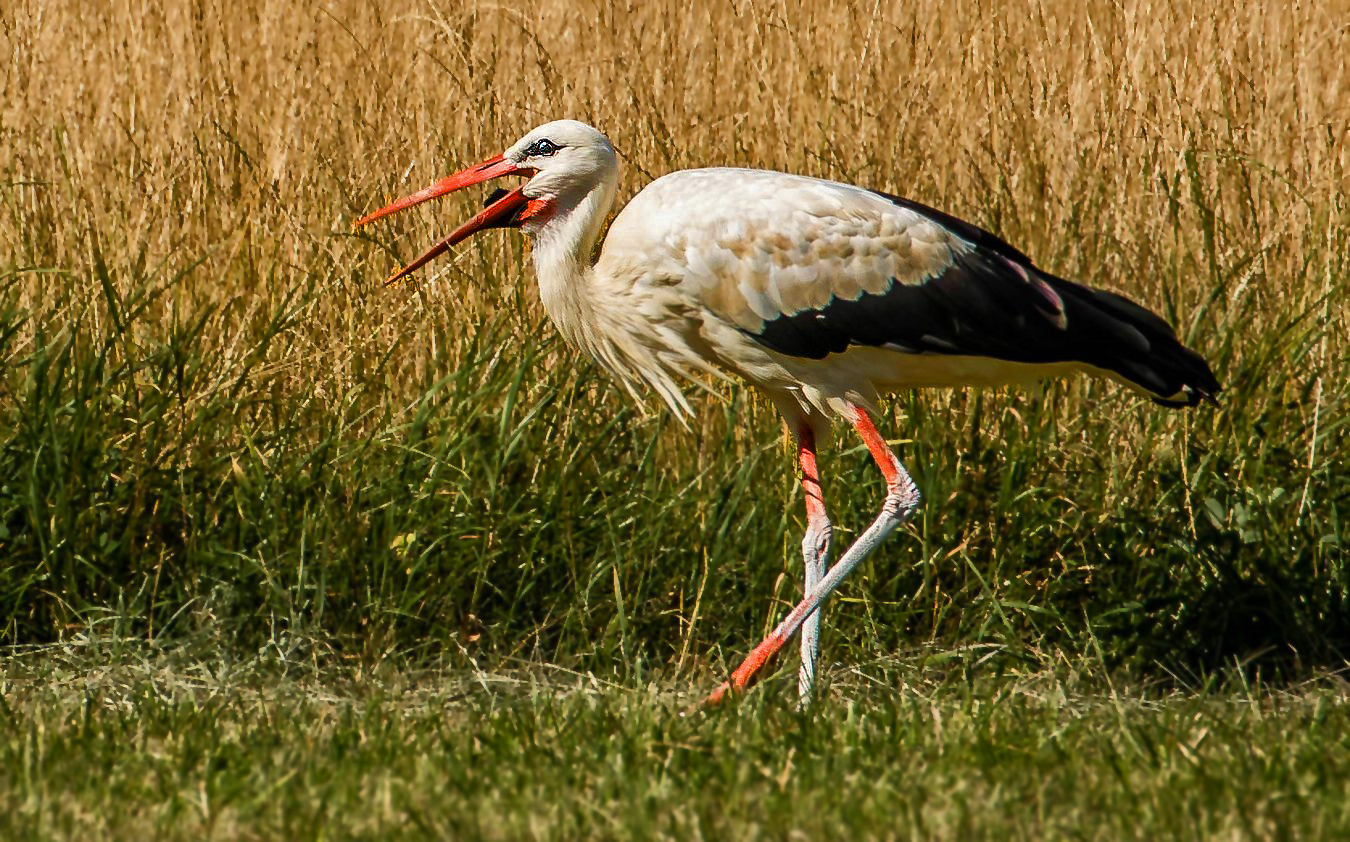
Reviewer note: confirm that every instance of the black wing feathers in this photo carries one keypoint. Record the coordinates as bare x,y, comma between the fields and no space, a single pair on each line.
992,302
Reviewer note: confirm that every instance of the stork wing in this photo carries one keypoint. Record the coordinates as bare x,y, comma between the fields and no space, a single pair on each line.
808,268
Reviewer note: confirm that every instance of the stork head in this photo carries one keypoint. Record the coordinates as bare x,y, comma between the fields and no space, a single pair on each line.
565,161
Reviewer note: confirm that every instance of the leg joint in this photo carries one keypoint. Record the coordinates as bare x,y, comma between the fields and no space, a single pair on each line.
816,541
903,497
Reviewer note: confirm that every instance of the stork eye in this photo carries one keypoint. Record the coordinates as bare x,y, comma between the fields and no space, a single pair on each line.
544,148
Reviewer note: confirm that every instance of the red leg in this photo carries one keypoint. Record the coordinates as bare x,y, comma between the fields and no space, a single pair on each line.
902,498
881,452
815,553
806,456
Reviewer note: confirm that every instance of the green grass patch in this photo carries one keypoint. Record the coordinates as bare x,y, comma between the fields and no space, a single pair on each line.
128,747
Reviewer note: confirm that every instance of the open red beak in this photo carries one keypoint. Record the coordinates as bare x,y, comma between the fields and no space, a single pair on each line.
503,213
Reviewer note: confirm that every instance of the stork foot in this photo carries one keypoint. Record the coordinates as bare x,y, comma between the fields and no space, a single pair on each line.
748,672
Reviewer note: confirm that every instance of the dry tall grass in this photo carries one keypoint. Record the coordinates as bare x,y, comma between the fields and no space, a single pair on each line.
195,157
1140,145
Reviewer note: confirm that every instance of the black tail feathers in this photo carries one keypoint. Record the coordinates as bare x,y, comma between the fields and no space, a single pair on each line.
1116,334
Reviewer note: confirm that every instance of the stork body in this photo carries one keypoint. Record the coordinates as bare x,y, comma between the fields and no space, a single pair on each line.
823,295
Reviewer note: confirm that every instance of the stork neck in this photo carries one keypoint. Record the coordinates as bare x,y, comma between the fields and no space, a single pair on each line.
562,249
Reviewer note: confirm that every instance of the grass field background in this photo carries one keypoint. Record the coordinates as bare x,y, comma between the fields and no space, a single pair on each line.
226,449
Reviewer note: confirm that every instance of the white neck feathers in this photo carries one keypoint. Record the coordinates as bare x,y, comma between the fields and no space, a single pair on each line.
563,244
604,323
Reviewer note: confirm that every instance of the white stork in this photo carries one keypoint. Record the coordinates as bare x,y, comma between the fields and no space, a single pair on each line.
823,295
